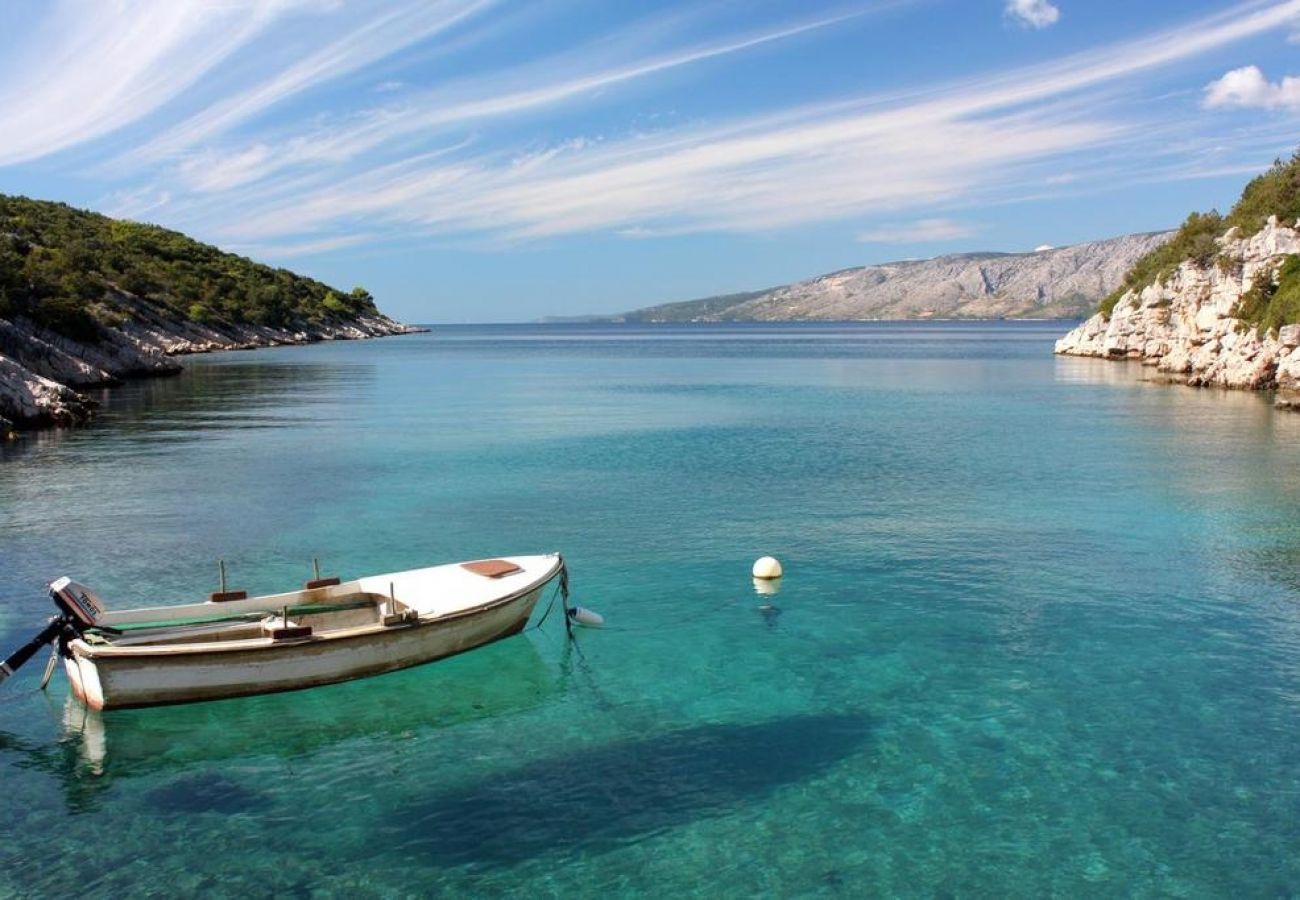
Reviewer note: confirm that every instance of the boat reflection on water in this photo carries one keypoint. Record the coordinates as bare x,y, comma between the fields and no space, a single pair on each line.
505,677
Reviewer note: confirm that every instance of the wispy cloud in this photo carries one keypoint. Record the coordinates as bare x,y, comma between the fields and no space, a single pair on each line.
1247,87
1032,13
136,203
302,248
806,164
920,232
219,172
87,70
372,40
525,89
230,138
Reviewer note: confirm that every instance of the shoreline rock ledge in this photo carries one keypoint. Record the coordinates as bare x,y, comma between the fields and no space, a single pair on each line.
40,369
1187,325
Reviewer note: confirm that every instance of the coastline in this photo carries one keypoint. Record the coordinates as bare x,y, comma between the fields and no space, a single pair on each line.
41,370
1188,326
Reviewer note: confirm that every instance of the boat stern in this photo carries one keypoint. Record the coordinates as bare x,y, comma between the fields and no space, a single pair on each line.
83,675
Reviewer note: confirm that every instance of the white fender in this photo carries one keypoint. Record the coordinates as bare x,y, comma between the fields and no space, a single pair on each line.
584,616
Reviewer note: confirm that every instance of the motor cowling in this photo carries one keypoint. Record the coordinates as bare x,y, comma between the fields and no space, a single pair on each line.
77,601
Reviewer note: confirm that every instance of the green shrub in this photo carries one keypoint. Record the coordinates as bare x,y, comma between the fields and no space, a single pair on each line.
361,300
199,312
54,257
1273,302
68,316
1228,264
1275,193
335,304
1194,240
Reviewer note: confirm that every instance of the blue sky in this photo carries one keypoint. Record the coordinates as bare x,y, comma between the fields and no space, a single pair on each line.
488,160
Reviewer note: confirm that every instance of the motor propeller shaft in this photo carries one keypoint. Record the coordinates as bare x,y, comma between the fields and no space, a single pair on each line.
20,656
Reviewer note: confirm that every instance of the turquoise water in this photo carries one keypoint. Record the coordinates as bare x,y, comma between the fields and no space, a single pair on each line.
1039,632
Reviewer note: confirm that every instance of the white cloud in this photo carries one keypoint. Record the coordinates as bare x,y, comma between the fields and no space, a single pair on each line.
524,89
744,177
1248,88
463,159
88,69
923,231
369,42
871,155
137,203
300,248
1032,13
218,172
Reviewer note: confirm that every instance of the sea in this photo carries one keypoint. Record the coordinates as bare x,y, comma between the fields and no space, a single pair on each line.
1038,633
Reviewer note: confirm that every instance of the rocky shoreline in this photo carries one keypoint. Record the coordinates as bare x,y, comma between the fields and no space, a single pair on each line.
1187,328
40,370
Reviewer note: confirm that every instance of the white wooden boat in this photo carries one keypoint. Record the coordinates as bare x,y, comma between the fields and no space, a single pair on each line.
330,631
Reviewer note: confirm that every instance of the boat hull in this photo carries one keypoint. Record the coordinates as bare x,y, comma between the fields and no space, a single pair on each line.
116,682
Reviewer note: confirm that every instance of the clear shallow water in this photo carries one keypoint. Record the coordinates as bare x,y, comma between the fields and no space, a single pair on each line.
1040,631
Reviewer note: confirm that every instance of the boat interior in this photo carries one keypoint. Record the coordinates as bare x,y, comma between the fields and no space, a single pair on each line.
356,610
323,606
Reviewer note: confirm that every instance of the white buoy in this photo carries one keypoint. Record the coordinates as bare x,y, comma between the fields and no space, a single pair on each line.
767,568
584,616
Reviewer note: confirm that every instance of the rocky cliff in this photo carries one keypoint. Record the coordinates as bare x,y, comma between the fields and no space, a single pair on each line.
40,369
1064,282
1194,325
88,300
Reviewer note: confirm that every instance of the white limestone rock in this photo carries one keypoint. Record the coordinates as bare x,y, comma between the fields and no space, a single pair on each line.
39,368
30,399
1185,326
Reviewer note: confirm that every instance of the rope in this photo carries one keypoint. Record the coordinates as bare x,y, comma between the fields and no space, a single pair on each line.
561,590
549,607
564,598
573,656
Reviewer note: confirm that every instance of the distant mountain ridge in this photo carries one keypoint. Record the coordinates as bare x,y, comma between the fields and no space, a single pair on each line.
1064,282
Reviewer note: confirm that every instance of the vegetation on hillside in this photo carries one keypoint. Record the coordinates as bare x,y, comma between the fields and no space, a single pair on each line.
1274,193
1194,240
1270,303
58,265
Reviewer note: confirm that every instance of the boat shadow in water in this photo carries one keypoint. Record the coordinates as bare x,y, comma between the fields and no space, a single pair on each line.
605,796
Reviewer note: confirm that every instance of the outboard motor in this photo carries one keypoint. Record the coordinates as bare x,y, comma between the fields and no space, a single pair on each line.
79,609
77,601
